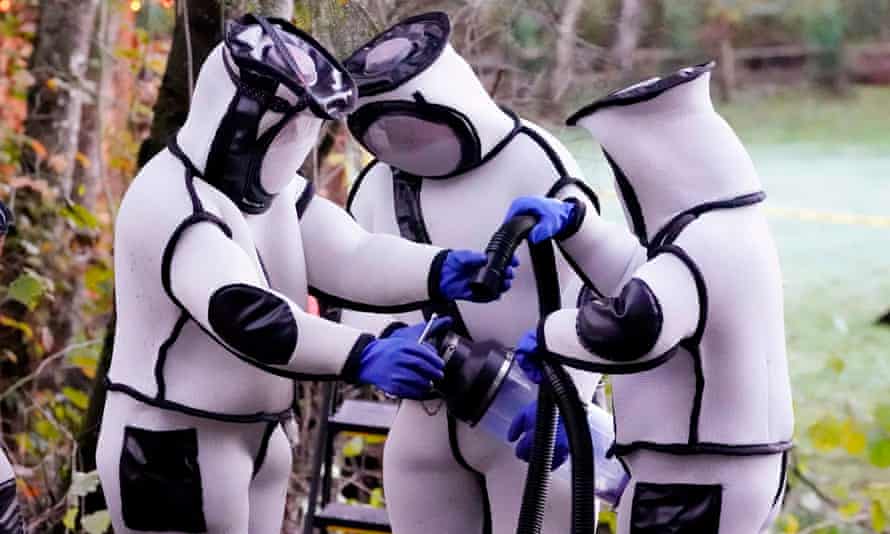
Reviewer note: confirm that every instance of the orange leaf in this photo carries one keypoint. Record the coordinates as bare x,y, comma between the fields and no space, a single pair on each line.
52,84
28,490
38,148
83,160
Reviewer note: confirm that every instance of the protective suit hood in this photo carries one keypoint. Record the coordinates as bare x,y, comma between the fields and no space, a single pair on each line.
669,149
421,107
259,101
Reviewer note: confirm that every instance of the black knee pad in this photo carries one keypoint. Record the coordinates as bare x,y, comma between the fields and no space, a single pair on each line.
161,481
676,508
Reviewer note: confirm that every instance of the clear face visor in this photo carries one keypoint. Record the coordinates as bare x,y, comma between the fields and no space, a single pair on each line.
399,53
414,145
419,138
275,49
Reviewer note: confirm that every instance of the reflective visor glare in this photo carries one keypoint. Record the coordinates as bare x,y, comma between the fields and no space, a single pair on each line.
297,63
330,87
414,145
387,55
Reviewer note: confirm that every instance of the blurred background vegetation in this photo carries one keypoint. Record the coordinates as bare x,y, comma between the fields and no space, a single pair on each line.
90,89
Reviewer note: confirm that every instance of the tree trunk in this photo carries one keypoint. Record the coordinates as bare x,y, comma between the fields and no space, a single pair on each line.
87,179
565,48
727,78
203,18
627,35
340,26
562,68
59,66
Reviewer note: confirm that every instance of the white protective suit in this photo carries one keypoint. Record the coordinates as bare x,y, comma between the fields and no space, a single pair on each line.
217,244
686,315
449,162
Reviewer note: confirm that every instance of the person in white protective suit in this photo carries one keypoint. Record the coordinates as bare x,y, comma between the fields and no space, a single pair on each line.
218,242
448,162
686,313
10,516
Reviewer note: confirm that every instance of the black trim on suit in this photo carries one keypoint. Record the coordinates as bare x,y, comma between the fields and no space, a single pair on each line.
685,449
480,478
304,199
197,412
642,93
264,447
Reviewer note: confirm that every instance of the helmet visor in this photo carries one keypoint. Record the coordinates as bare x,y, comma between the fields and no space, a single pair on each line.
275,48
414,145
419,138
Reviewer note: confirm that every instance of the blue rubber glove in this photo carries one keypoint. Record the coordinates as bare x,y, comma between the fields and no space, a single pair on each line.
458,270
554,216
524,425
401,367
527,355
412,333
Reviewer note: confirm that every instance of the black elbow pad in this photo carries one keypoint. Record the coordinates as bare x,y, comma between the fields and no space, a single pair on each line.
623,328
254,322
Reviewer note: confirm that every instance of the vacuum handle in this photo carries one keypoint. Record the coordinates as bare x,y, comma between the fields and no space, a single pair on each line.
499,252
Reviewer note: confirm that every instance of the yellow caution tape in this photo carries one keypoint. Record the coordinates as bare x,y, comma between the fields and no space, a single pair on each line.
805,214
370,437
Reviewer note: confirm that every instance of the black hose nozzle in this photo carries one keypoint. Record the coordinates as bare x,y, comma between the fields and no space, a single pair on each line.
500,250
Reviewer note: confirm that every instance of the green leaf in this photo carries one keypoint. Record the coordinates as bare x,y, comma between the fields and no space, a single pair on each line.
853,439
353,447
826,433
97,522
610,518
850,509
836,364
76,397
70,519
882,416
789,524
86,363
879,453
27,289
82,484
879,491
878,517
80,216
96,277
377,500
47,430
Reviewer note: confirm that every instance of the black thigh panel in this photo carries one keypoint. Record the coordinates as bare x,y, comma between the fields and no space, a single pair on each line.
10,518
161,481
675,509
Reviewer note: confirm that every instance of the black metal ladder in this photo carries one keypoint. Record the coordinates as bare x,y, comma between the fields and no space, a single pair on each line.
356,416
